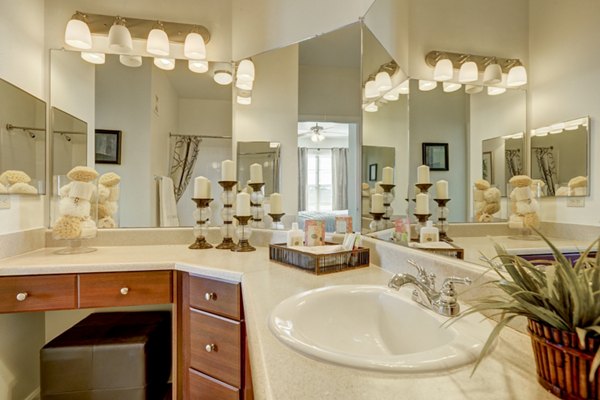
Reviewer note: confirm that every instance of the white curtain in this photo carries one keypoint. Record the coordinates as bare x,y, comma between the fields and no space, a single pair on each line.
339,159
302,177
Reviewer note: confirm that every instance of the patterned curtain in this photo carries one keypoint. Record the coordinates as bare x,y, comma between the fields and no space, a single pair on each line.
339,160
513,163
547,167
183,158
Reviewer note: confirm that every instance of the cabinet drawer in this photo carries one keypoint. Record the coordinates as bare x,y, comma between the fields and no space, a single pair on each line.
124,289
38,293
203,387
218,297
216,348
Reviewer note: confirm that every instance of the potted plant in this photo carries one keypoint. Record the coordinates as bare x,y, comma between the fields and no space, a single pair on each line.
561,301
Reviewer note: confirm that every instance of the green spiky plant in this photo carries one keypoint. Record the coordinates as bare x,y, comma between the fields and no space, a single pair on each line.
561,295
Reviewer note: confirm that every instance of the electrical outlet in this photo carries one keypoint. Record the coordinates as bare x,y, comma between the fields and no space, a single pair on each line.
576,202
4,202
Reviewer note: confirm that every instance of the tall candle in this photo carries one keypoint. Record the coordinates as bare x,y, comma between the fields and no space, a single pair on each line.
242,204
377,203
388,175
275,200
227,170
441,189
423,174
201,188
422,204
256,175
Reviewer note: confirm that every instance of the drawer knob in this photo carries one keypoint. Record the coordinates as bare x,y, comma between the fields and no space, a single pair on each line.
210,296
22,296
124,290
210,348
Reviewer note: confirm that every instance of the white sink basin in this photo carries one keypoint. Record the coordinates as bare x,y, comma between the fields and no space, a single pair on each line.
376,328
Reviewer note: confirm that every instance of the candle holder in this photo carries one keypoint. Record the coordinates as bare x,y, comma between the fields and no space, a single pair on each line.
422,222
227,230
243,233
388,197
443,219
378,224
256,199
201,215
424,187
277,224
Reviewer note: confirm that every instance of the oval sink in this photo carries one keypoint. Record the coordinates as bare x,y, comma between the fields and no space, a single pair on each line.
373,327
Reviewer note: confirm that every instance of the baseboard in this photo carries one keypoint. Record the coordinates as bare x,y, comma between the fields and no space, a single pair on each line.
35,395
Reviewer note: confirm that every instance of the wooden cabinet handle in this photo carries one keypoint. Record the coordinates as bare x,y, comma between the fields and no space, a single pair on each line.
124,290
210,296
210,347
22,296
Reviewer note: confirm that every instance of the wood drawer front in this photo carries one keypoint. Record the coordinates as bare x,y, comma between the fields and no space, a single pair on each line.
224,361
217,297
125,289
38,293
203,387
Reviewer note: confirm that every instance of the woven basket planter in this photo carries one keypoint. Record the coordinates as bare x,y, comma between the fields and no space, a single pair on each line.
563,366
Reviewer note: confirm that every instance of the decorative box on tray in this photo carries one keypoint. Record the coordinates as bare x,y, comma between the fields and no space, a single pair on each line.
320,263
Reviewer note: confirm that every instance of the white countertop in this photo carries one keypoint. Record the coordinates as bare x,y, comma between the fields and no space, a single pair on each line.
280,373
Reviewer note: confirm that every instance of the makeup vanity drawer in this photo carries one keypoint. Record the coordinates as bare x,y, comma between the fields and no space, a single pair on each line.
203,387
215,296
38,293
125,289
216,347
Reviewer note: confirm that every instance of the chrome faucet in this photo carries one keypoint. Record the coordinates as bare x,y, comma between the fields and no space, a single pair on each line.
443,302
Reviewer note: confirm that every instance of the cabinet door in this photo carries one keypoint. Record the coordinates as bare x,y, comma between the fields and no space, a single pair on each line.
125,289
217,297
216,347
37,293
203,387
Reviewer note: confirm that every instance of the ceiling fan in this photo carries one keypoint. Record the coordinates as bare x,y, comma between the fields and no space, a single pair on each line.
315,132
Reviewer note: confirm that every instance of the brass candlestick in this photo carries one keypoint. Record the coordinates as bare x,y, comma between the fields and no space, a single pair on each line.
378,224
277,224
227,197
256,199
423,187
201,215
422,218
443,219
243,232
388,197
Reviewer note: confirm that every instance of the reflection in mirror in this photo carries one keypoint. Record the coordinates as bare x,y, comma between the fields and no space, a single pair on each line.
69,142
265,154
22,141
559,157
502,158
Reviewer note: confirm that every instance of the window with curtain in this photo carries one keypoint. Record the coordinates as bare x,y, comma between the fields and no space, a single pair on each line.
319,180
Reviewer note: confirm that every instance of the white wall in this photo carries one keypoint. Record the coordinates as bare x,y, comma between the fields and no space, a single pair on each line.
563,84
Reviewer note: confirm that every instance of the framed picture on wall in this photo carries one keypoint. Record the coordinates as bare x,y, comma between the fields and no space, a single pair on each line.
487,171
108,146
435,156
372,172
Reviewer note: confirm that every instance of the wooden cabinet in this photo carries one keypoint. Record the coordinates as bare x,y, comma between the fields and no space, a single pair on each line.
204,387
38,293
217,297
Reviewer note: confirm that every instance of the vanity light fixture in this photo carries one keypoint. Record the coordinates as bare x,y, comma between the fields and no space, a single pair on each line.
371,91
244,100
165,63
495,90
383,82
468,72
93,57
119,37
158,41
198,66
371,107
245,70
443,70
404,87
557,128
392,95
493,73
473,89
222,74
517,76
130,61
450,87
425,85
77,33
194,47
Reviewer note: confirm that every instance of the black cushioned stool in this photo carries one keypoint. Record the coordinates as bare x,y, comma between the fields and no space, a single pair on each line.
109,356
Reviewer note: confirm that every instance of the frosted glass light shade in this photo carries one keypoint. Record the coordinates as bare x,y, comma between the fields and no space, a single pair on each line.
194,47
404,87
245,71
473,89
383,82
130,61
164,63
223,77
468,72
443,70
244,84
517,76
244,100
198,66
492,74
450,87
426,86
495,90
392,95
119,38
371,91
371,107
158,42
77,34
94,58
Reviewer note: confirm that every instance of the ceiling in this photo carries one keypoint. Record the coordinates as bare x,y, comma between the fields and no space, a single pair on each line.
345,41
190,85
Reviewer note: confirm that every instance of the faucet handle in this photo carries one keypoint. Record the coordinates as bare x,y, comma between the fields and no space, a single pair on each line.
447,293
420,270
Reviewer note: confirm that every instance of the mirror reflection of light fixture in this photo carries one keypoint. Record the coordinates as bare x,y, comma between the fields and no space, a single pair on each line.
194,47
158,41
198,66
165,63
222,73
245,70
93,57
392,95
244,85
77,33
493,73
517,76
119,37
473,89
244,100
468,72
425,85
404,87
371,107
450,87
130,61
495,90
383,82
444,70
371,91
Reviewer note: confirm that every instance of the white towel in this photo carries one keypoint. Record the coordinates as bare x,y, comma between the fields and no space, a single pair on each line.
167,205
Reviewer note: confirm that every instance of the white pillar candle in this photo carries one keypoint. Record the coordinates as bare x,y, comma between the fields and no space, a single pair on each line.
388,175
422,204
377,203
201,188
441,189
242,205
256,175
227,170
423,174
275,200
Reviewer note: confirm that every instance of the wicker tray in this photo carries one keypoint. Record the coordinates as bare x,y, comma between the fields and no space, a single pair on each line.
320,263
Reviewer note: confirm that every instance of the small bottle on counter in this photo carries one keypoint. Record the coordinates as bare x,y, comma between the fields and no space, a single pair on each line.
295,236
429,233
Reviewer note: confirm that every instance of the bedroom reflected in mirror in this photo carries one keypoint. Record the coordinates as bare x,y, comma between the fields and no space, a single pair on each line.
265,154
560,157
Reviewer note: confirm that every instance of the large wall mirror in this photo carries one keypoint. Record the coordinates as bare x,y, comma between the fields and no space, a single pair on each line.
22,141
267,155
69,141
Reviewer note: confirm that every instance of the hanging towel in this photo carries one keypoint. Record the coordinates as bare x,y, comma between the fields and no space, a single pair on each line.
167,206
